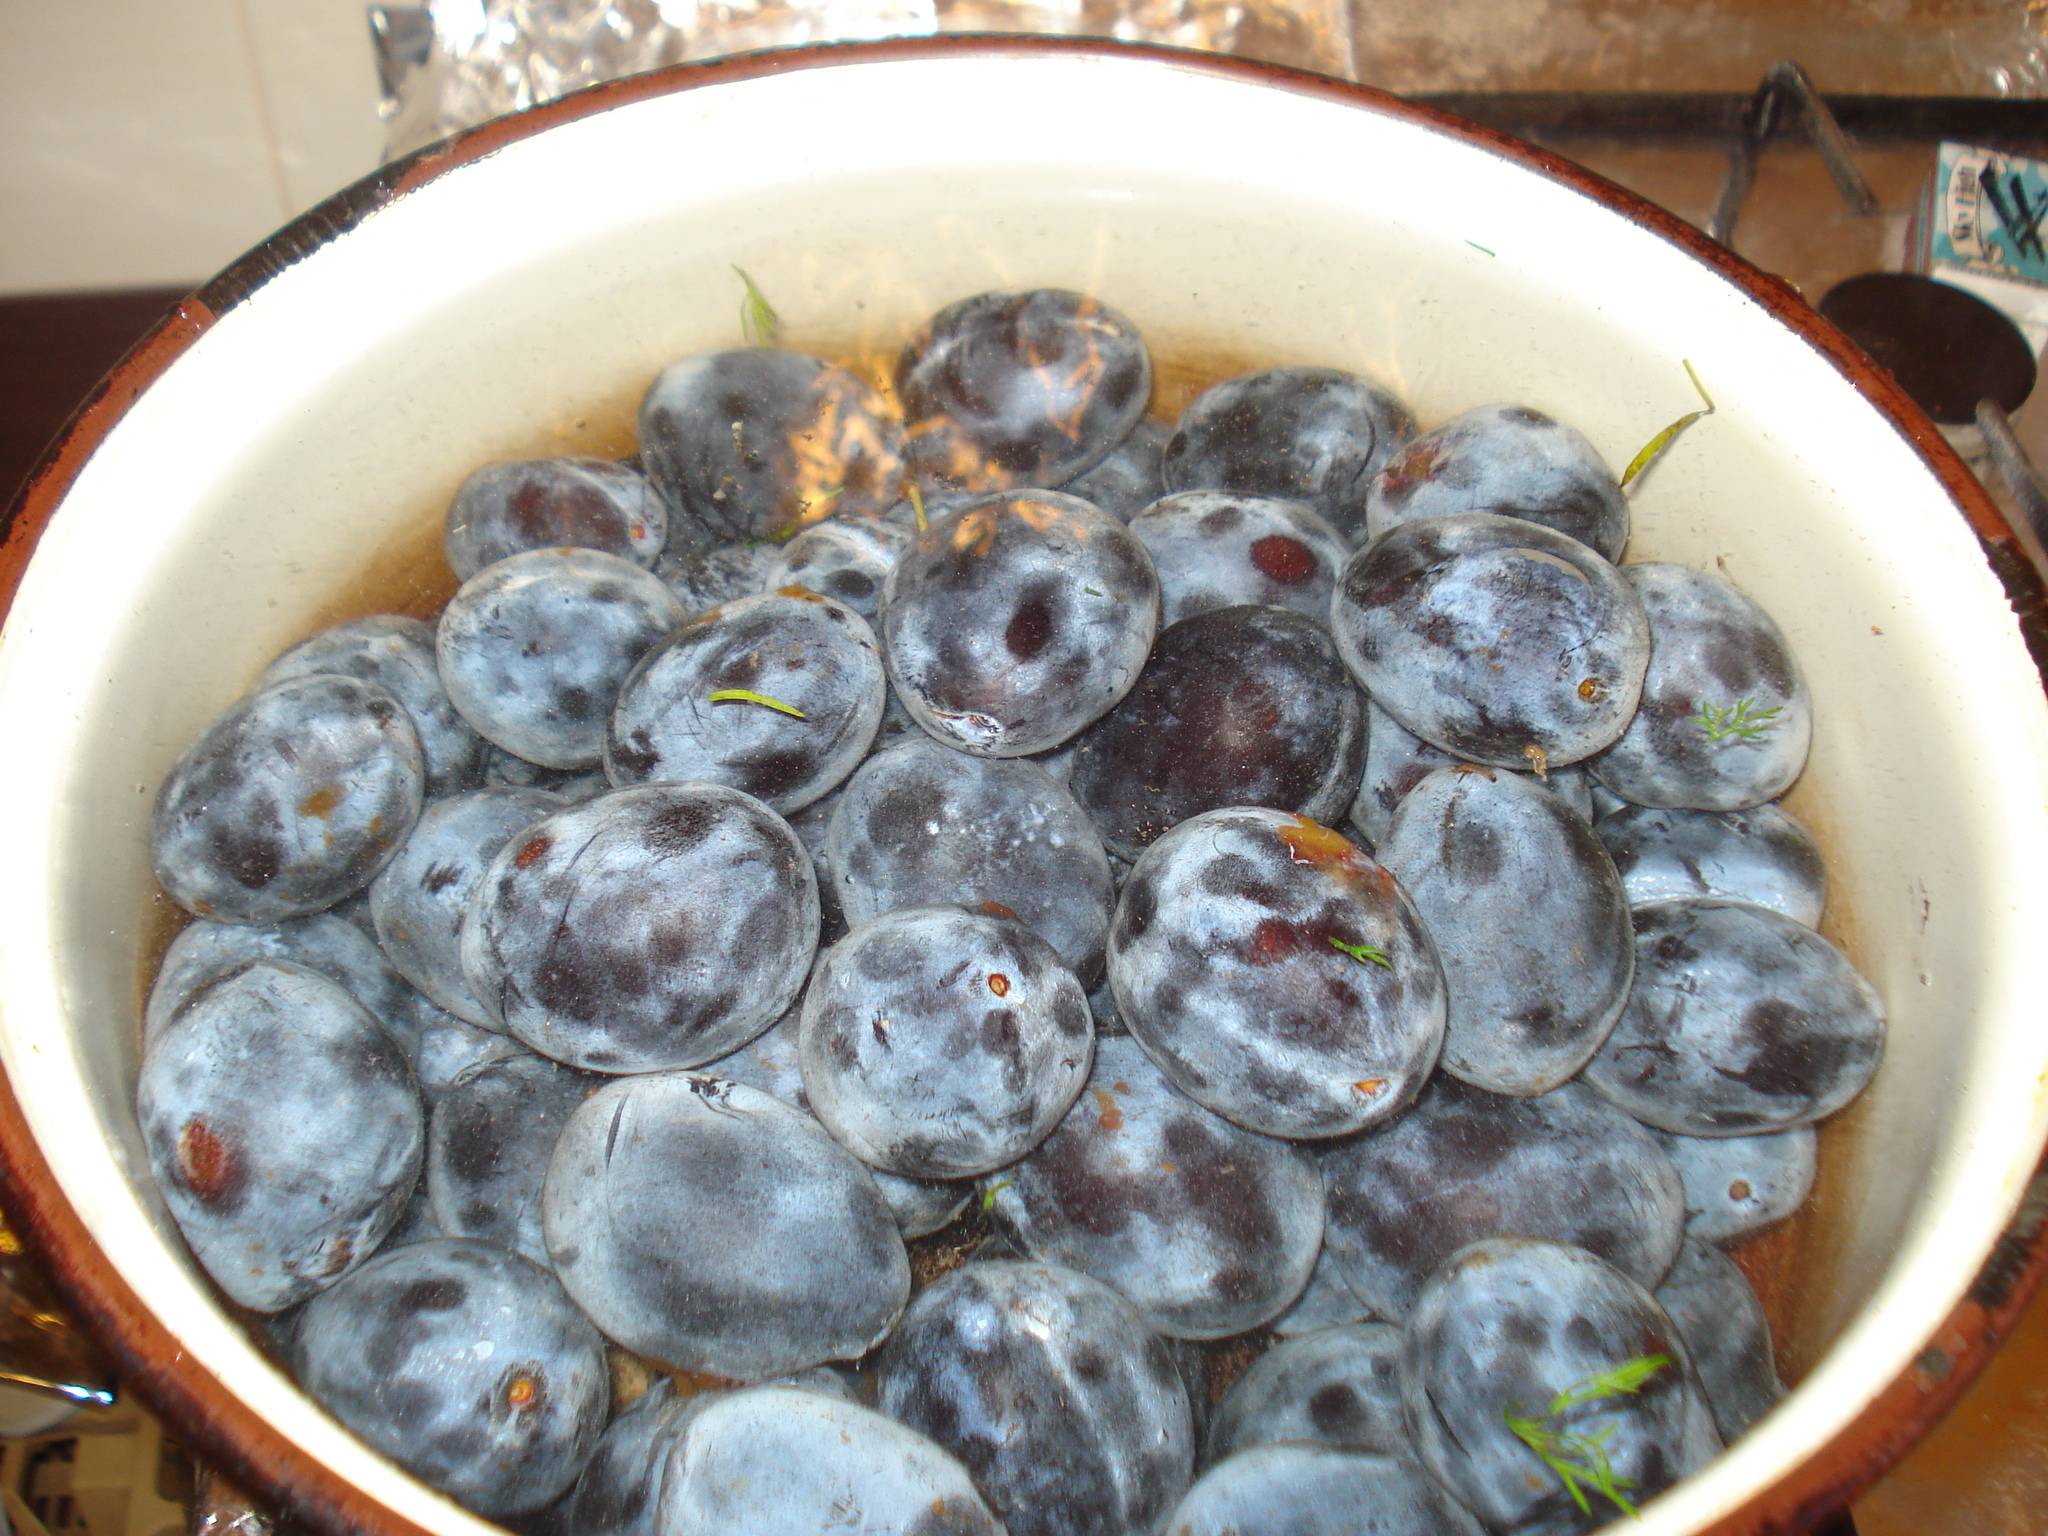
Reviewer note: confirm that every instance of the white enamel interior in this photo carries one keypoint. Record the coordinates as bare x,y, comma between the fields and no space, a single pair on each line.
328,418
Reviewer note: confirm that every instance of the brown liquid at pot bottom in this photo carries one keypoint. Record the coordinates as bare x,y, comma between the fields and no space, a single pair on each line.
1795,1267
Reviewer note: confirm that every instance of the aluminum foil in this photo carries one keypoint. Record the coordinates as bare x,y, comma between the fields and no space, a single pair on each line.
453,63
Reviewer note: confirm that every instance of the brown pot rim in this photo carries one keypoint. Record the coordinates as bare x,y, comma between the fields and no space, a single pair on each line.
213,1422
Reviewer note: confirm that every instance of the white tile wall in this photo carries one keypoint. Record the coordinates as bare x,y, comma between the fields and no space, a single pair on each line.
152,141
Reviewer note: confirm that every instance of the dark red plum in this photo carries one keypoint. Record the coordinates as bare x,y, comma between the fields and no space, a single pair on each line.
1735,1185
1338,1387
1396,760
488,1143
773,1063
397,654
289,802
1128,481
1530,921
1513,1327
1326,1302
1507,460
921,825
1726,716
1314,435
1245,706
941,1044
1215,549
1005,390
1277,975
534,649
466,1365
846,559
1740,1021
1207,1229
807,653
512,506
1761,856
702,579
1053,1393
1464,1165
334,947
420,901
284,1130
1723,1324
833,1463
650,928
755,444
1018,621
1499,641
1318,1490
712,1227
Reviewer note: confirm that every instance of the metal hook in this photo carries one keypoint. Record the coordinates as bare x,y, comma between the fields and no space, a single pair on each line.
1784,81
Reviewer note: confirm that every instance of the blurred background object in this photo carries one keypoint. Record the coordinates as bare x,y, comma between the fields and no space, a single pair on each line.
147,145
152,143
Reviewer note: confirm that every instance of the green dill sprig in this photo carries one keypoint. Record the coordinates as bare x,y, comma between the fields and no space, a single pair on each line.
1742,718
748,696
1579,1458
1363,953
1662,440
917,506
988,1196
760,326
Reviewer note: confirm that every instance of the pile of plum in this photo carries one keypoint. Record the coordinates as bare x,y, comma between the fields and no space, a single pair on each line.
891,833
